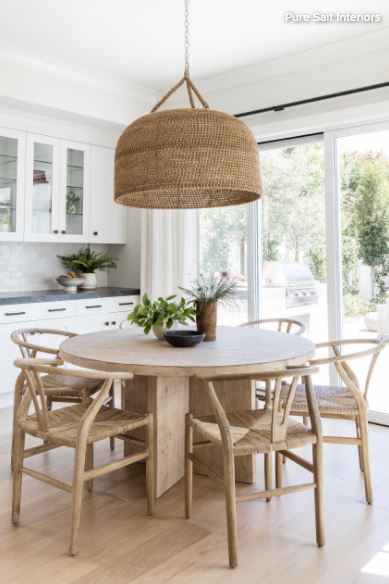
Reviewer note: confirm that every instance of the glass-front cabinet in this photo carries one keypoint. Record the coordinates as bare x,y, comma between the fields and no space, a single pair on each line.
74,188
56,187
12,147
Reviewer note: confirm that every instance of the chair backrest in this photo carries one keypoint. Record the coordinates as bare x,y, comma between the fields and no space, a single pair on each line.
282,325
341,361
280,415
29,349
33,369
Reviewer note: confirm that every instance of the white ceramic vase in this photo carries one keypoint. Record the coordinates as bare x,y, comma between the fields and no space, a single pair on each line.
158,330
90,281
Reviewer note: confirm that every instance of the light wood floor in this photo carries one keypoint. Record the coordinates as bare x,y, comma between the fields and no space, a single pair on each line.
119,543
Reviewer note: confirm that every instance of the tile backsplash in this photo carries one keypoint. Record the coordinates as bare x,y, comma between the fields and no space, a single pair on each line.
34,266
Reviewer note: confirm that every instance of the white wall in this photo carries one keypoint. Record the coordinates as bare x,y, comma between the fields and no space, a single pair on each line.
35,266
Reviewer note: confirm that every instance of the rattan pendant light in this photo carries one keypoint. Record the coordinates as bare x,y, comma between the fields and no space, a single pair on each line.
186,158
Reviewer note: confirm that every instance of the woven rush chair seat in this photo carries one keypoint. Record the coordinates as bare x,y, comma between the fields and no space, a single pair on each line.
251,432
69,386
330,399
63,424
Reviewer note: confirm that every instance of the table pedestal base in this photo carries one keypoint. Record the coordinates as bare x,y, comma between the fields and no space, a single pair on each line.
169,399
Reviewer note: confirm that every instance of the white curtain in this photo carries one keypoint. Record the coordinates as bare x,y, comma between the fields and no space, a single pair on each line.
168,251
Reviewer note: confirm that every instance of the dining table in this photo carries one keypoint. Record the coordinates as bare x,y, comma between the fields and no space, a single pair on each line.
166,385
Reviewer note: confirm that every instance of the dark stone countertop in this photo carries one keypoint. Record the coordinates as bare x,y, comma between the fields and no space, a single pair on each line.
58,295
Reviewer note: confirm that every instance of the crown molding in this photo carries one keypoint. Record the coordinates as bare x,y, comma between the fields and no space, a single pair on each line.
311,58
66,72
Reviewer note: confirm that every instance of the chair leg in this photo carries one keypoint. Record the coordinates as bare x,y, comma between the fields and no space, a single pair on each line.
89,465
79,462
112,404
279,461
363,426
188,466
17,478
358,432
268,473
49,405
229,480
18,393
150,466
317,455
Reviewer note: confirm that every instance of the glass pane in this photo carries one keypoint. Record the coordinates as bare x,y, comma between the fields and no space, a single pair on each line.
42,191
364,175
294,283
223,250
8,181
74,191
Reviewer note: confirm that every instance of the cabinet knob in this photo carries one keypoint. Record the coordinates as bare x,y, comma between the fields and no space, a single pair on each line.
55,231
63,231
113,322
95,233
106,323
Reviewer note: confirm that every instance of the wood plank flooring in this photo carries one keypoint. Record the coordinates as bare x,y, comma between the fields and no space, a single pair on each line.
120,544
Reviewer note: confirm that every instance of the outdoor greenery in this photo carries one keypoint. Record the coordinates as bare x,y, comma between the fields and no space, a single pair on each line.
212,288
163,312
293,220
88,261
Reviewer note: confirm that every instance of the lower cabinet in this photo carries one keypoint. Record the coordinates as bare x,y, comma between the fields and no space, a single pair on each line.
111,312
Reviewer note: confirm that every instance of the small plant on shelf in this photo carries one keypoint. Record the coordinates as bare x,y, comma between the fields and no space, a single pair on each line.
206,292
87,262
160,315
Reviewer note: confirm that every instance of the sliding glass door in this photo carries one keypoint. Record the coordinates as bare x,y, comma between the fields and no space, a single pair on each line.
293,233
363,190
316,247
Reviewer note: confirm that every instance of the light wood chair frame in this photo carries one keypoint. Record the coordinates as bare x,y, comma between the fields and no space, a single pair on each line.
349,378
290,326
284,325
31,350
84,472
278,434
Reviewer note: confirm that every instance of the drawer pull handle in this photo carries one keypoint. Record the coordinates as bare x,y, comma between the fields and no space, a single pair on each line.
56,309
14,313
113,322
94,306
126,303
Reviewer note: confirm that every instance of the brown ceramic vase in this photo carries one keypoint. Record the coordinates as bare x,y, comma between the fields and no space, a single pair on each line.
206,319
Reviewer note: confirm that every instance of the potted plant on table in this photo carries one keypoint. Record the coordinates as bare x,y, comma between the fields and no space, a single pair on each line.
206,292
160,315
85,263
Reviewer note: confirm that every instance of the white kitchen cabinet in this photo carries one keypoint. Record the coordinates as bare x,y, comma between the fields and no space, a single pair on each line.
57,190
79,316
12,181
75,195
107,218
42,188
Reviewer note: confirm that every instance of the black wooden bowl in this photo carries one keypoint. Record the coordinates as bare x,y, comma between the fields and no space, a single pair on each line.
183,338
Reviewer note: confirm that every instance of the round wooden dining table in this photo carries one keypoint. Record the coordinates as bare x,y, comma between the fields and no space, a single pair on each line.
164,382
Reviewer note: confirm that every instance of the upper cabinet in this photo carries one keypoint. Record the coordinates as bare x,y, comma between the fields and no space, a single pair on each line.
75,194
57,190
12,157
107,218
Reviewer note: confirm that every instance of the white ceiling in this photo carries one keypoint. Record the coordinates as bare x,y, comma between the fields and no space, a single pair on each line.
141,41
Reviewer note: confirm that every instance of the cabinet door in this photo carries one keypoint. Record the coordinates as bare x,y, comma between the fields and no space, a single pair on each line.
12,154
107,218
74,192
42,189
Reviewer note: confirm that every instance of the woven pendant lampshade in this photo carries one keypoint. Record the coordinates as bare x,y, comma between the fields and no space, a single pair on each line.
186,158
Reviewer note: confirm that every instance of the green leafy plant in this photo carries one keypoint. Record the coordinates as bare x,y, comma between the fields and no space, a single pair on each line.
212,289
88,261
163,312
